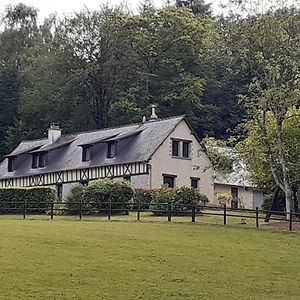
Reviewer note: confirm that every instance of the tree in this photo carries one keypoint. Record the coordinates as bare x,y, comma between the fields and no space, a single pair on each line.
270,50
198,7
101,53
9,96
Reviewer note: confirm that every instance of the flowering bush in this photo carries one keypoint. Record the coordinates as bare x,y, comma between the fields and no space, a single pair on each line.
224,197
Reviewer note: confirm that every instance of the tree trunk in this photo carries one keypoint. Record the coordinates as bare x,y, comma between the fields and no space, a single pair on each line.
273,203
285,170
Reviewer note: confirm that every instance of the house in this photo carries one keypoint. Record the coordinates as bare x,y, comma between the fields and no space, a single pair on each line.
149,154
236,182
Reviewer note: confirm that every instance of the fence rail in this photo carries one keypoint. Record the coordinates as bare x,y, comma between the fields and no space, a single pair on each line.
169,210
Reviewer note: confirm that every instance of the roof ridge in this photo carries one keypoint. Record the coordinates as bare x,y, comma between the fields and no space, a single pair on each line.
113,127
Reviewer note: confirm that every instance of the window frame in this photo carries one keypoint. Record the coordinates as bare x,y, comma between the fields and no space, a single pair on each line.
43,159
87,153
172,177
177,142
111,149
188,143
197,180
11,164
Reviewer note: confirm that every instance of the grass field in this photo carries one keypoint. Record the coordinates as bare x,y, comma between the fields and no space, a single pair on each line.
63,259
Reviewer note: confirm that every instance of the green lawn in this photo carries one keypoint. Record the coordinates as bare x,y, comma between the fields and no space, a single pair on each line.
62,259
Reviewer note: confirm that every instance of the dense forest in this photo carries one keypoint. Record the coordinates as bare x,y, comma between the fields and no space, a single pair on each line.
235,76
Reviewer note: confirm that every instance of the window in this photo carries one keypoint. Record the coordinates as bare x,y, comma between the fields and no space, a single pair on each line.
86,153
59,191
39,160
181,148
11,164
43,159
111,149
35,160
195,183
84,182
128,178
186,149
169,180
175,148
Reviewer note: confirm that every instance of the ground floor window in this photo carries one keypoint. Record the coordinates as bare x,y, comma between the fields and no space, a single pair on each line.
128,178
169,180
195,183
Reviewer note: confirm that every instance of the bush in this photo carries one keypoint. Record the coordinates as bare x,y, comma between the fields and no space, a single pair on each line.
181,200
160,198
72,202
38,199
144,197
99,192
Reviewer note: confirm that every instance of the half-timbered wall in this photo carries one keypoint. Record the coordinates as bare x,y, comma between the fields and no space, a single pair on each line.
77,175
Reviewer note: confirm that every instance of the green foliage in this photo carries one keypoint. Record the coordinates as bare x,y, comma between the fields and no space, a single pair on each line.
144,197
97,195
224,197
181,200
74,198
38,200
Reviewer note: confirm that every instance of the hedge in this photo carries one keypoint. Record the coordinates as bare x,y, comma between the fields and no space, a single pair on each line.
38,199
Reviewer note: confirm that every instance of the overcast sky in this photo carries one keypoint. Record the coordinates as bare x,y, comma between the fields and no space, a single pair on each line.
67,6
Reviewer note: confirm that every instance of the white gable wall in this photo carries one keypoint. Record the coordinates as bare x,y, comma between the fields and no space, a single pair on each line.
162,162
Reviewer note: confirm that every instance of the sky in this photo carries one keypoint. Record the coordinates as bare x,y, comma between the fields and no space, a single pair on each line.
62,7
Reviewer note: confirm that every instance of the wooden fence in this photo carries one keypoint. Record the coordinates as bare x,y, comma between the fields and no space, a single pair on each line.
167,210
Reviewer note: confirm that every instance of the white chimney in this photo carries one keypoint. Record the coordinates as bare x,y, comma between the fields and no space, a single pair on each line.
54,133
153,114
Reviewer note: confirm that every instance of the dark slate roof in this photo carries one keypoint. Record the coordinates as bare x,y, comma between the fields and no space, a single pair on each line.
136,143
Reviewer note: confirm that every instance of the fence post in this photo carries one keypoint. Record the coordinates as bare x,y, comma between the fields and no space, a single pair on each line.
52,208
256,217
169,212
24,209
291,222
80,208
109,210
138,210
225,218
193,213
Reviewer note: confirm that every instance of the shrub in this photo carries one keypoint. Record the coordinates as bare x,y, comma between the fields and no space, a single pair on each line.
99,192
144,197
160,198
38,199
186,196
181,200
72,202
223,197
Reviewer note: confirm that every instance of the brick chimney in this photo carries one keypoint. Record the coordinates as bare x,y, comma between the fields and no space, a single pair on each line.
54,133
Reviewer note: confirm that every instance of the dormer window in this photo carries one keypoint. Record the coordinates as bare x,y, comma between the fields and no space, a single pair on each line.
39,160
43,159
111,149
11,164
86,153
35,160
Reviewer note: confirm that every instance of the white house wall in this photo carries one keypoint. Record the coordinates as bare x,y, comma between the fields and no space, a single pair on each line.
162,162
245,195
